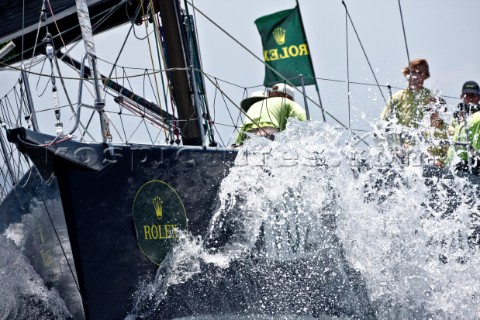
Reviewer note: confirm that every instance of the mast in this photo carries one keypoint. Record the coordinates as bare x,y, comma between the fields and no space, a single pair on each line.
189,114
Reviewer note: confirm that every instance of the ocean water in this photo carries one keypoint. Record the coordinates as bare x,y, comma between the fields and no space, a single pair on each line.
311,225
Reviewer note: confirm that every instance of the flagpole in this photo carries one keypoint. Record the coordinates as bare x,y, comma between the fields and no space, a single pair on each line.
305,98
311,62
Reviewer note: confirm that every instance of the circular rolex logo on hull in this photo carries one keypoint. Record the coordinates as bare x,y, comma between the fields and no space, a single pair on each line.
158,214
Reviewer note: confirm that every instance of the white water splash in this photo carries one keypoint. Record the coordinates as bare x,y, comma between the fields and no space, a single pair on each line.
412,246
24,295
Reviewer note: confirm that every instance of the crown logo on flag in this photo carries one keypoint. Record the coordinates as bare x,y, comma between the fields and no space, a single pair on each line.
279,35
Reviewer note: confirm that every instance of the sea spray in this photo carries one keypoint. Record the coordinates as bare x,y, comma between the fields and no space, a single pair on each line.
36,280
316,224
412,238
271,248
23,293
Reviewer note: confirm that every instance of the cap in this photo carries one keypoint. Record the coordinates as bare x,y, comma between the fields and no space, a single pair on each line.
283,88
254,97
470,87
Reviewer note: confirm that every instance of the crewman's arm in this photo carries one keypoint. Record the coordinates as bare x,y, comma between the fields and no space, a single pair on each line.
297,112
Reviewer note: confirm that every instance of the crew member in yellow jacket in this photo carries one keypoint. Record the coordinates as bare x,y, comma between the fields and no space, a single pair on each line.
471,113
407,108
269,115
470,97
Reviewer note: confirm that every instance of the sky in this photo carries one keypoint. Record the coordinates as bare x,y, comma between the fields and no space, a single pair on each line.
441,31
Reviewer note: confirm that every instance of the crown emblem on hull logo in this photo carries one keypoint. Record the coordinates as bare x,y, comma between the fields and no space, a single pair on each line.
158,216
279,35
158,205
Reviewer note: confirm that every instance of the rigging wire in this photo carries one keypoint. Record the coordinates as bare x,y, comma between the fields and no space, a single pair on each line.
120,114
238,86
61,246
49,78
196,61
404,33
219,79
348,72
148,131
363,49
19,102
172,128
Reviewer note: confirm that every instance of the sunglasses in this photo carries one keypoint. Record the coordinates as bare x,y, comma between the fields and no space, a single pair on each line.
470,95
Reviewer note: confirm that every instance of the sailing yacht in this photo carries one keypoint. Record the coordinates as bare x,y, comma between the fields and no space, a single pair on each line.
113,224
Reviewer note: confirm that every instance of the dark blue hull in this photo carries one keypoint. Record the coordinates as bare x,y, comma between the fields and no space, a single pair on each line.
98,187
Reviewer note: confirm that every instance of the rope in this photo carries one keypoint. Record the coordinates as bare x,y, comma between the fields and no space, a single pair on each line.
156,27
162,59
150,52
196,62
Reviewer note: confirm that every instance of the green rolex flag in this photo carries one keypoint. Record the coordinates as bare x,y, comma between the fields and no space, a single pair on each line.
285,48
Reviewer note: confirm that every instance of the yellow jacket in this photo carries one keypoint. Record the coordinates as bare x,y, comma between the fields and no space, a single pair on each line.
406,107
271,112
